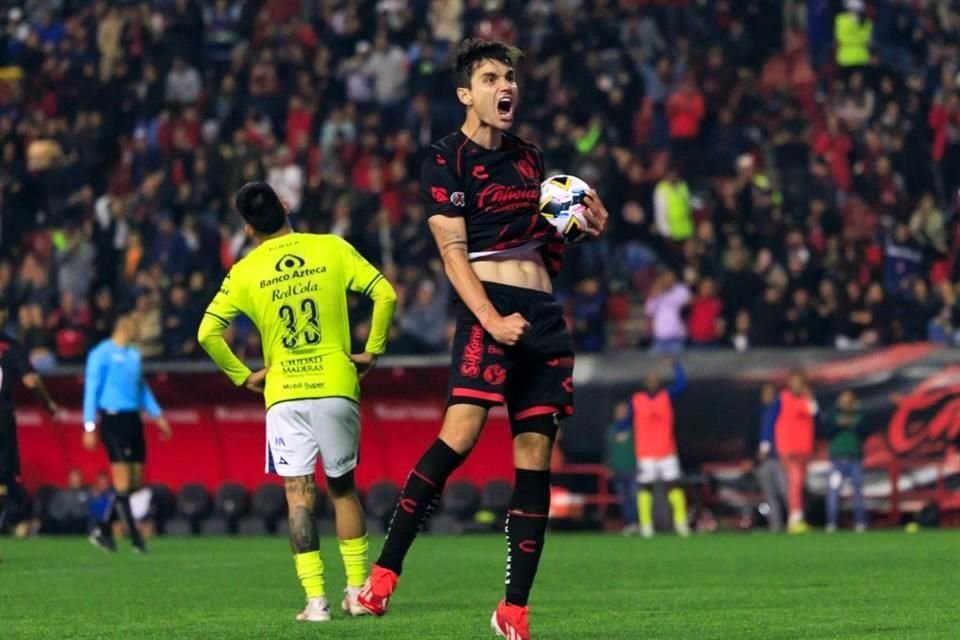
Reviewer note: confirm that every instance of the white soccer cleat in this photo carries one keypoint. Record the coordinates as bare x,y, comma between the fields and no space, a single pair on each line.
646,531
351,605
683,529
317,610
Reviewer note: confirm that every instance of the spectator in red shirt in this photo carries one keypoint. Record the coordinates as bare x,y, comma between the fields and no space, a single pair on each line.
705,322
685,111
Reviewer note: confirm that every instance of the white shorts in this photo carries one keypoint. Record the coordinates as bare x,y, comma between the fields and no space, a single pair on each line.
650,470
300,430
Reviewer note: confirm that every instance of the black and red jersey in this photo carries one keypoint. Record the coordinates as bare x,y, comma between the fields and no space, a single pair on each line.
496,191
14,364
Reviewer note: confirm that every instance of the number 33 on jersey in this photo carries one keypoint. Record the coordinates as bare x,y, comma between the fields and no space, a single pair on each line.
294,289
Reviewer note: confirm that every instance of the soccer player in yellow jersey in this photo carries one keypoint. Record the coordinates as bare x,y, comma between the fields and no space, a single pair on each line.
293,286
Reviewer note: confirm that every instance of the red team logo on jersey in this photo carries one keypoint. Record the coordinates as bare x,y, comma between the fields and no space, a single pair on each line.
480,172
473,353
494,374
439,194
526,168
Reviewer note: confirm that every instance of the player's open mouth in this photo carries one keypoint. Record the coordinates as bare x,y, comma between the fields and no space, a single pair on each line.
505,107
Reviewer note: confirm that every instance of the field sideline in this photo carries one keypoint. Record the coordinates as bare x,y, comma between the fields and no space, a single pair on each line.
880,585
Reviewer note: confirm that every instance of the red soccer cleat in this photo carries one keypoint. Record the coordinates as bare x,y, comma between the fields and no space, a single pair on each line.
376,592
510,621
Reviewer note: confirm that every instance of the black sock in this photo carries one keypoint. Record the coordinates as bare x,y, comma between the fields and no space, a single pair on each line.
418,499
526,527
122,507
105,526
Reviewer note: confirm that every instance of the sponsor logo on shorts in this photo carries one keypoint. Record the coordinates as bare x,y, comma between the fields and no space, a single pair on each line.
494,374
567,384
282,460
528,546
408,504
560,362
279,442
344,460
473,353
494,350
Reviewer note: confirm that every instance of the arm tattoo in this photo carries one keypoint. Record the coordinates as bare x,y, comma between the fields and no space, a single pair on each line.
301,497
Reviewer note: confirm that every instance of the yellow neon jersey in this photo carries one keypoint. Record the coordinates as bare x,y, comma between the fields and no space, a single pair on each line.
294,289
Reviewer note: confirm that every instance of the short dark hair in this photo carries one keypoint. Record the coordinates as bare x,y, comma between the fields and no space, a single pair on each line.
473,51
261,208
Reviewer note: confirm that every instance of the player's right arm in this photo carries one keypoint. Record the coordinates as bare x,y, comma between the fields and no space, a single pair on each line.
449,230
222,309
30,378
450,235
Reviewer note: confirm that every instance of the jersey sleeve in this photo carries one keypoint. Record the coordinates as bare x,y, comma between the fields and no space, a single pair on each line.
20,359
362,277
440,189
224,307
94,376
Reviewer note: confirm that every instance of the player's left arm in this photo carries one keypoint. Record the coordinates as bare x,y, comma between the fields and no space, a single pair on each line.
679,384
222,309
31,379
362,277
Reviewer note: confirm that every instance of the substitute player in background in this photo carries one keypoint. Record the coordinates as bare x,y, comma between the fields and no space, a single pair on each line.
115,387
651,418
293,286
14,365
481,187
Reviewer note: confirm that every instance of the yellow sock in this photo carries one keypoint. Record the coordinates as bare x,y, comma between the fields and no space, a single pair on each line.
678,502
310,571
354,554
645,507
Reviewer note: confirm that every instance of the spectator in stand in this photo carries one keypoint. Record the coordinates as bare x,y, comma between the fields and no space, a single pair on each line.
706,322
672,208
790,426
184,84
664,306
768,470
929,229
845,421
423,323
853,33
902,261
621,460
685,111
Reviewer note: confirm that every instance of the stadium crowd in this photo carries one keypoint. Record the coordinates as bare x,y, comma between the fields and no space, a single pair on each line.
779,173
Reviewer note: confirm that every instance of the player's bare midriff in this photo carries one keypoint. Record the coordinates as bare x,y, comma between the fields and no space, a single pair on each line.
526,271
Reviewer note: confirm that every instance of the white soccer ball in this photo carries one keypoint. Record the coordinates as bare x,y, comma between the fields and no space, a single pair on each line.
561,203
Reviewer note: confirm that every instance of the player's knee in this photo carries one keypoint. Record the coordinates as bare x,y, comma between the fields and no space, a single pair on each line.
341,487
532,450
461,430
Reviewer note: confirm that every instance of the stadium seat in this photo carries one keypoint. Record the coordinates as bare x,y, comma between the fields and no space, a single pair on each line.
460,500
495,497
178,527
269,504
444,524
68,511
163,504
252,526
232,502
193,503
380,500
215,526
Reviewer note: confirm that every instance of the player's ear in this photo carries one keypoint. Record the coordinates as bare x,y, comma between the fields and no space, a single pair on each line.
463,95
248,230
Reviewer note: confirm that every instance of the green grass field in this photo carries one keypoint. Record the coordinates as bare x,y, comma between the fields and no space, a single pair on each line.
879,585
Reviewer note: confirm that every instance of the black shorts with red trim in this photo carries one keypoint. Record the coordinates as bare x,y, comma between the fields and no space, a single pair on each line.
534,377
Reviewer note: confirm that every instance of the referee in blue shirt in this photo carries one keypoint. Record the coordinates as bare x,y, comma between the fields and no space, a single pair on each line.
115,387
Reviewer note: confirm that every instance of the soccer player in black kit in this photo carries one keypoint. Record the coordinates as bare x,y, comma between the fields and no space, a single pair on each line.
14,365
481,187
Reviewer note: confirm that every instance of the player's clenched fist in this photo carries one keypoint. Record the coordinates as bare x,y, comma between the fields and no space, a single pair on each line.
507,329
